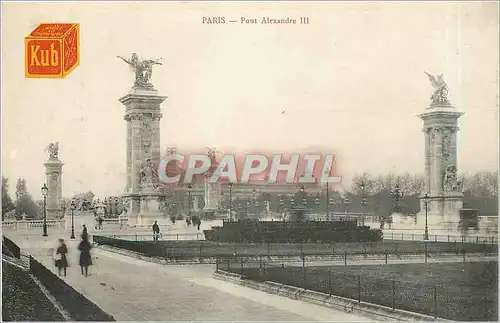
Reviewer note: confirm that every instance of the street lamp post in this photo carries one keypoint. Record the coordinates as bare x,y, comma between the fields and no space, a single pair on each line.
347,202
73,207
317,203
426,206
328,203
303,195
231,200
254,203
397,194
363,203
45,191
190,187
281,206
327,200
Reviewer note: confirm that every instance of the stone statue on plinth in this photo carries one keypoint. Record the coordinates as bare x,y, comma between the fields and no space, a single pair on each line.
53,149
441,91
149,174
212,190
53,173
451,182
143,69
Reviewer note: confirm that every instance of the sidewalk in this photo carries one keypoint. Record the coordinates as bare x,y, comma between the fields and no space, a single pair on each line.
131,289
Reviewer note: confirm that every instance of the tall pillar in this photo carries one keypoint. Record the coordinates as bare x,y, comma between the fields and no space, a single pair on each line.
211,190
53,172
143,115
441,170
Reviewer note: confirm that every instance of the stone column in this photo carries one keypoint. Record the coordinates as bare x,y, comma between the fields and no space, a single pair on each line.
143,114
53,172
440,128
128,186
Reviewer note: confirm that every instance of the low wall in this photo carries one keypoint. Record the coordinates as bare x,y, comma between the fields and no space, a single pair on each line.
336,302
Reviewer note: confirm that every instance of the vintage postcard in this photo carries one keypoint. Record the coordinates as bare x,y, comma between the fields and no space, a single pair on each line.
250,161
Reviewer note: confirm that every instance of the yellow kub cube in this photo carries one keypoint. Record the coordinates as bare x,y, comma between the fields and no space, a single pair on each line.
52,50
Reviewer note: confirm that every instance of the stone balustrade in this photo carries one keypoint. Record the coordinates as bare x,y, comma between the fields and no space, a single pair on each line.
30,224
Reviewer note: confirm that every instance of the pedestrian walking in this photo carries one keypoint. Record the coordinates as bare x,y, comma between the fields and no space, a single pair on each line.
156,231
85,258
60,258
100,220
84,231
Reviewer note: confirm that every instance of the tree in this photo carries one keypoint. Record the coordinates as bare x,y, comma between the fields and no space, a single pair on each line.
7,204
83,200
20,188
483,184
365,180
24,202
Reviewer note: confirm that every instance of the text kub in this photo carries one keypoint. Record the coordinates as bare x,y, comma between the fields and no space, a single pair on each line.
52,50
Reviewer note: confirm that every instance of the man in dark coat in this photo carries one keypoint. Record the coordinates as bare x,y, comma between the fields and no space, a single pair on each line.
156,231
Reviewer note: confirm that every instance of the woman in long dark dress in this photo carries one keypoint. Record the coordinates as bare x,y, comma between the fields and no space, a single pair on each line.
85,258
61,261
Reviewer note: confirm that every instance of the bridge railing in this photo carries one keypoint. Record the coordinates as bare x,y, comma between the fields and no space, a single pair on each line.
28,224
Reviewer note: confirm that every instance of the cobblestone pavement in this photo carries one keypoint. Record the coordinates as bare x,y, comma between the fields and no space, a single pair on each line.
132,289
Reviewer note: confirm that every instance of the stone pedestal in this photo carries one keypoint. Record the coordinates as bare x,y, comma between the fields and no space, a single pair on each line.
150,208
53,172
196,201
212,198
142,114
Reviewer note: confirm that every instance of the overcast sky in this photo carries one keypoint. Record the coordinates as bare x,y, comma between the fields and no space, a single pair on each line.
351,83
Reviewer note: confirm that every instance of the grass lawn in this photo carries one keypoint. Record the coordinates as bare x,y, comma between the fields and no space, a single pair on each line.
190,249
455,291
22,299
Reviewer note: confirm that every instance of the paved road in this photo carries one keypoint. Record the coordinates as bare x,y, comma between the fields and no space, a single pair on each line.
132,289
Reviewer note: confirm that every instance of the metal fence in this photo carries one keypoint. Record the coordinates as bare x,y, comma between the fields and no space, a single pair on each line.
470,304
441,238
387,236
386,250
196,236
